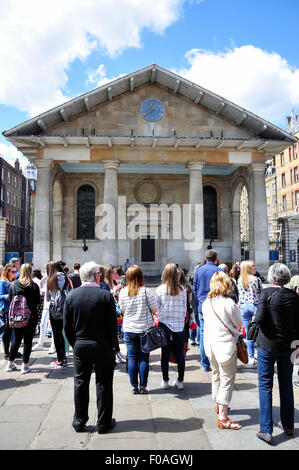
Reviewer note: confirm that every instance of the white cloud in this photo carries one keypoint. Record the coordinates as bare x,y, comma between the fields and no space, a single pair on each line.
40,39
10,154
98,77
261,82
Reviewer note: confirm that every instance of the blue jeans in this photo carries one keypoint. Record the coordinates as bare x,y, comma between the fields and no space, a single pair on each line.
178,339
204,361
247,312
265,365
138,361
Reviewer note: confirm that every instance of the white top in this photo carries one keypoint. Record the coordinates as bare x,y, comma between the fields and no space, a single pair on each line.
135,309
172,308
216,336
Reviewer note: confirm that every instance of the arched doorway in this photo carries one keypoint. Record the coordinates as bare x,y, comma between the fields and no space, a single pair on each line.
240,221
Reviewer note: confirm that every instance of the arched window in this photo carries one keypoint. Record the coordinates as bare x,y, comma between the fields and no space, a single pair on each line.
85,212
210,212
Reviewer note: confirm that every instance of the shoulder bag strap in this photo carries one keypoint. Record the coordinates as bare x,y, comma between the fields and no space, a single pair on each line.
225,326
148,308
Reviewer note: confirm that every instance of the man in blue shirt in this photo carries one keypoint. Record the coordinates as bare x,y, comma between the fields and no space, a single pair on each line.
201,288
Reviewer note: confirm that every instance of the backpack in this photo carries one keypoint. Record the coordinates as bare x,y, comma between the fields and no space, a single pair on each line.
19,312
57,304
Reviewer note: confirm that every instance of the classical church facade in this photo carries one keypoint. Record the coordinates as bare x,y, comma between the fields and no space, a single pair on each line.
155,141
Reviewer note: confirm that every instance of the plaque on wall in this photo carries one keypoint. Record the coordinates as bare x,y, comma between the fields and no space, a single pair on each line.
147,192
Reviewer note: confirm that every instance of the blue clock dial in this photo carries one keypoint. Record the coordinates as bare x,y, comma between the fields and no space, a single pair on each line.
152,110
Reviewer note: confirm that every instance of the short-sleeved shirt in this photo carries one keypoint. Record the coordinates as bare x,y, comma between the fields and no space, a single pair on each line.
252,293
136,310
172,308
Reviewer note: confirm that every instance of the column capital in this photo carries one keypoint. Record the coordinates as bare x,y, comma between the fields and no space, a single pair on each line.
257,167
41,164
111,164
195,165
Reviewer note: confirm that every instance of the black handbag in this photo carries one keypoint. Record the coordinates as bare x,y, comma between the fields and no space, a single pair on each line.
154,337
253,330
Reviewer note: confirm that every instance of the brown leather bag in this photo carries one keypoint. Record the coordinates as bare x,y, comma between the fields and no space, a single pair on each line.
242,352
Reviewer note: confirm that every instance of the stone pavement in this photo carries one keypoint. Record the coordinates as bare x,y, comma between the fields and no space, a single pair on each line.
36,411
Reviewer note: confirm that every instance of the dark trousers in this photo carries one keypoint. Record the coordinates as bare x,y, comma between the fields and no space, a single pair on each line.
89,354
57,327
265,365
26,333
178,339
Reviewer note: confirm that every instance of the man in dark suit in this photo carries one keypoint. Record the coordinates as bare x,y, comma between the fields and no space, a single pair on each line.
201,288
90,326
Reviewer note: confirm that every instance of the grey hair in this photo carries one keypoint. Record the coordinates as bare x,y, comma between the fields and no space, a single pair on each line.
223,267
88,270
279,274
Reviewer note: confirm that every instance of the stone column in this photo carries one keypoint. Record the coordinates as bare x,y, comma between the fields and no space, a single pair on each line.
42,215
110,245
258,220
196,197
236,237
3,222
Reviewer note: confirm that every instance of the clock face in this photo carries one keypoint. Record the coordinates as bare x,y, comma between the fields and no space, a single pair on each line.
152,110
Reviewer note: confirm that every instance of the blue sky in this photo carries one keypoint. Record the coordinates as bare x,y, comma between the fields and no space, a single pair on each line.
52,51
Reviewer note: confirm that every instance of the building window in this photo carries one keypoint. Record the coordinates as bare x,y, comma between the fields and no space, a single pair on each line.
295,152
8,177
297,198
274,200
290,154
8,197
284,203
86,212
296,175
267,191
283,180
291,176
282,162
268,210
210,213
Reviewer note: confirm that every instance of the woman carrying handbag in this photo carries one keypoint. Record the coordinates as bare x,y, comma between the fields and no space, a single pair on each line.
135,300
221,322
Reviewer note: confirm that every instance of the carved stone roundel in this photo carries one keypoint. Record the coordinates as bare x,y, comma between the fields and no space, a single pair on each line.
147,192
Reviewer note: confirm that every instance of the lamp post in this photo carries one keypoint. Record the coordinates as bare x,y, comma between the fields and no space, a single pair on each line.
84,227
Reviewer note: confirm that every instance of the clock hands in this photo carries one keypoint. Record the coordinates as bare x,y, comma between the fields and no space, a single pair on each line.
152,109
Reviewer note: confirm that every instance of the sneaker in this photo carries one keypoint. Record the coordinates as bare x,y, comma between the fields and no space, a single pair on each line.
178,385
54,356
25,369
165,384
117,359
51,351
135,391
264,436
252,364
121,358
64,362
289,432
56,364
10,367
143,391
37,347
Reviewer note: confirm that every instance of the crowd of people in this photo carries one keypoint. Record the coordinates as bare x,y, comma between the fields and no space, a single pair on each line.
210,311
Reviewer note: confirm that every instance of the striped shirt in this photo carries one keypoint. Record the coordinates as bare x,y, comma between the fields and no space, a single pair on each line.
172,308
136,310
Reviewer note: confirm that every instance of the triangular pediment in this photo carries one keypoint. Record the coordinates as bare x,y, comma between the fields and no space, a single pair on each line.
193,116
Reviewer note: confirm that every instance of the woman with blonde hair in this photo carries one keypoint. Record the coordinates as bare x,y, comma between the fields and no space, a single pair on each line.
249,289
138,305
25,287
172,310
221,322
